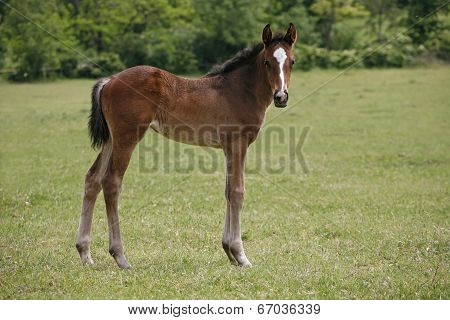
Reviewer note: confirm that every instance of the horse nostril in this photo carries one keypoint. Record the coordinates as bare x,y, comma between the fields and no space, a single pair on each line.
277,96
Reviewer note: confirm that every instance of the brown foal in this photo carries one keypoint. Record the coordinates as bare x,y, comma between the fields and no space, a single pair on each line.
230,101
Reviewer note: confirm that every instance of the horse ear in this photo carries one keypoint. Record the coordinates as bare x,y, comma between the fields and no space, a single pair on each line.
267,35
291,34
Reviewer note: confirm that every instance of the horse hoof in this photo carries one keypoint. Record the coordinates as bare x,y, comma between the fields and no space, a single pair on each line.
246,264
122,263
86,258
242,262
125,266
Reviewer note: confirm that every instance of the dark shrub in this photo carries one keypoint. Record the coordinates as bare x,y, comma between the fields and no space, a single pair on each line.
68,67
304,56
104,65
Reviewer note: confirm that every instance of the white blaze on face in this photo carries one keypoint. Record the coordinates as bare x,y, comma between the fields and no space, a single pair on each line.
281,56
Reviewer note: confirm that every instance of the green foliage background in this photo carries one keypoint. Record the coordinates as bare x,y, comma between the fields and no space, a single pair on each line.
187,36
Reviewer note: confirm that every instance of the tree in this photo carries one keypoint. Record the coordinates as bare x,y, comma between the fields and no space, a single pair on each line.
159,33
332,11
4,9
225,26
33,52
96,23
280,12
417,10
379,10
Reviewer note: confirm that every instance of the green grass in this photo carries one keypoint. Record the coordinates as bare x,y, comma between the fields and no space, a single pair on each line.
370,220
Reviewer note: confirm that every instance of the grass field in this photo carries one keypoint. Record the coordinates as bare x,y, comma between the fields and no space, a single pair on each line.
369,221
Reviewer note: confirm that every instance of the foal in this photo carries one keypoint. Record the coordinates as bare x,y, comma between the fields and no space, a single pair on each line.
231,101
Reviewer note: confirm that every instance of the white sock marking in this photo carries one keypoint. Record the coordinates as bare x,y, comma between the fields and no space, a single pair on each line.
281,56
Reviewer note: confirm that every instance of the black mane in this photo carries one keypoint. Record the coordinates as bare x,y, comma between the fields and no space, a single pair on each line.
241,58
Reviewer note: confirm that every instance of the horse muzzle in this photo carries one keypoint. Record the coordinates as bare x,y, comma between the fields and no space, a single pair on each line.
280,98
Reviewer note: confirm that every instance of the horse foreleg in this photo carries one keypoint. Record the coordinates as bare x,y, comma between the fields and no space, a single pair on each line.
226,229
235,157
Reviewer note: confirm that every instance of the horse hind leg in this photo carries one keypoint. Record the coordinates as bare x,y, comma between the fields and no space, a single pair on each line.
112,185
92,187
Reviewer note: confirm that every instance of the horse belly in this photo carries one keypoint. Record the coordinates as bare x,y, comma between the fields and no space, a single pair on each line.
205,136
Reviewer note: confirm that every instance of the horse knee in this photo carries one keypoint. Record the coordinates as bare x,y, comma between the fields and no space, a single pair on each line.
237,196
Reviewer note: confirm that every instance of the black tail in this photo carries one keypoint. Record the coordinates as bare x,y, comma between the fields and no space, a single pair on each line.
98,128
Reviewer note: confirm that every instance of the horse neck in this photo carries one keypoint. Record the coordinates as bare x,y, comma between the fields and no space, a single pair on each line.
250,81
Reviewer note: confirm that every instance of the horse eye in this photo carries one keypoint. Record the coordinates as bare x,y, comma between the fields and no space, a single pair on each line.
267,63
292,62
